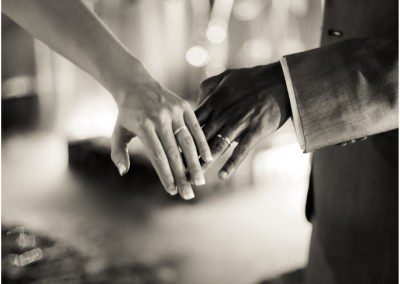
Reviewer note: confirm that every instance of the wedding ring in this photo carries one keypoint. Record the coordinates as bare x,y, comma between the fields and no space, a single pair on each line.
226,139
179,129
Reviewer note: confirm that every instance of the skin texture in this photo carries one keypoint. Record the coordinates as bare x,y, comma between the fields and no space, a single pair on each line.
146,109
244,105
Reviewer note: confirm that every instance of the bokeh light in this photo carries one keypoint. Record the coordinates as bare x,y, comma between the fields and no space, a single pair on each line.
245,10
197,56
216,33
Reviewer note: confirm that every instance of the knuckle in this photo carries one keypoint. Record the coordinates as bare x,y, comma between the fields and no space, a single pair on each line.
163,114
146,123
185,104
233,163
176,109
163,125
209,81
196,126
159,157
187,140
173,153
241,149
141,116
218,146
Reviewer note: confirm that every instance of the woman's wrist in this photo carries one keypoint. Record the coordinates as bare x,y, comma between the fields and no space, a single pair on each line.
122,73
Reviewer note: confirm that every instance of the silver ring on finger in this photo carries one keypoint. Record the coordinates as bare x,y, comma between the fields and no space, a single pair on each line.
179,129
226,139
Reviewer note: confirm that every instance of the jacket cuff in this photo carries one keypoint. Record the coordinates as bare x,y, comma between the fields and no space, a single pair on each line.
293,104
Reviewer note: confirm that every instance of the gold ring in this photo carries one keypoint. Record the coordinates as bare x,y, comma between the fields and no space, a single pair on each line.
179,129
226,139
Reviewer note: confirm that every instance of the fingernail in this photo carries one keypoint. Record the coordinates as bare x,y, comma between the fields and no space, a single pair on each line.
200,180
209,158
187,192
121,168
223,174
172,190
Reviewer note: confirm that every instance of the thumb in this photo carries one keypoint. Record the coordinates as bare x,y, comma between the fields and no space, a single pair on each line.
119,148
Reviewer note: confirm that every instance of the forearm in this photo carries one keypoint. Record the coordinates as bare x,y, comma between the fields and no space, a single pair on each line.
75,32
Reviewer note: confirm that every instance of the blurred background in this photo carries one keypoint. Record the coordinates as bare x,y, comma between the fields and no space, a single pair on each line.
66,213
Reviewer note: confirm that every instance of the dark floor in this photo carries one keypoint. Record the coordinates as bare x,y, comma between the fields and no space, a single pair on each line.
237,234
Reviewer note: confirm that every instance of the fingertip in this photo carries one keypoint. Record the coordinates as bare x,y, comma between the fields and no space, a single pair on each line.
122,169
121,161
223,174
172,190
200,180
208,157
187,192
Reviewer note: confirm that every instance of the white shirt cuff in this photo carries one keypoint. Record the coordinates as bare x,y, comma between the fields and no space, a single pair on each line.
293,104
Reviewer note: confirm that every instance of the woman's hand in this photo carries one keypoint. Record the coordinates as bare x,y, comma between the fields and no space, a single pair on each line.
243,105
146,109
165,123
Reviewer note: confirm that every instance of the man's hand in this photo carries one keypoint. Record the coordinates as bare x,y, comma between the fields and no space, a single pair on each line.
242,105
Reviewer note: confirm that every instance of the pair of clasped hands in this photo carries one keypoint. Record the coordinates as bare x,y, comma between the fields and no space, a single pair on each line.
241,105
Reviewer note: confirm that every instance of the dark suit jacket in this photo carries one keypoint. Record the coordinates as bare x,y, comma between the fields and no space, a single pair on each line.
346,90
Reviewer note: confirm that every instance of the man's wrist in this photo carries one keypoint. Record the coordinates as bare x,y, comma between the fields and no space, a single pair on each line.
284,99
293,103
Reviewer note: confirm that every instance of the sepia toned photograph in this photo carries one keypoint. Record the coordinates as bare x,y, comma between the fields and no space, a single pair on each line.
199,141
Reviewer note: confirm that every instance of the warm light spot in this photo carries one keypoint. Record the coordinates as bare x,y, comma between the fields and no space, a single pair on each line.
216,33
197,56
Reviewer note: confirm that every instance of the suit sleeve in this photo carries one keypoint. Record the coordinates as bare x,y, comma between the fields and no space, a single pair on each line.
343,91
